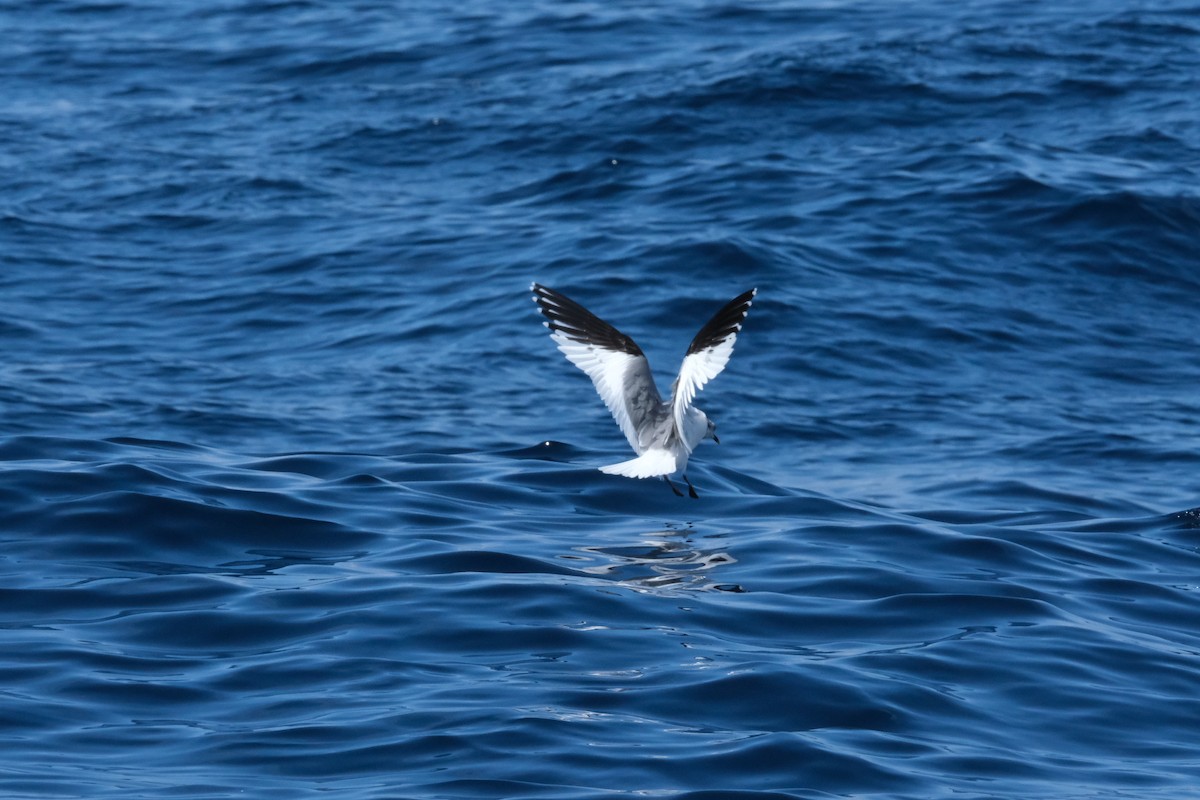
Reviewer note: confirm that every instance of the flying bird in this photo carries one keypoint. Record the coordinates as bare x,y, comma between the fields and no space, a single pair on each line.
663,434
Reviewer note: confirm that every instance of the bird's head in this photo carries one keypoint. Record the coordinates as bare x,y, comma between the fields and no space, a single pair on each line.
711,433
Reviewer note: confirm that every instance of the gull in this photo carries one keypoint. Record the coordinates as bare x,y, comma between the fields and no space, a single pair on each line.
662,434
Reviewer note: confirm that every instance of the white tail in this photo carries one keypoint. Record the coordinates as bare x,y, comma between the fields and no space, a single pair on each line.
650,464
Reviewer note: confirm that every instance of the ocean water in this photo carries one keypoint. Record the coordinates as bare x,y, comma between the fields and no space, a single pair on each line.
297,498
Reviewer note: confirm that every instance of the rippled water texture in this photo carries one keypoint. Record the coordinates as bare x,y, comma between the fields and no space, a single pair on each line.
298,499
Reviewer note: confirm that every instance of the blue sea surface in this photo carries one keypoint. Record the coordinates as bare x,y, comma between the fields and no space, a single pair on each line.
297,498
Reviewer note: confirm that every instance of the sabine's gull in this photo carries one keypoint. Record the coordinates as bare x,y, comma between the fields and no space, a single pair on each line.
662,434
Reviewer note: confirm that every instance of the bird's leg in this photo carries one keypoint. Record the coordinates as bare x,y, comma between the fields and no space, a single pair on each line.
691,489
667,478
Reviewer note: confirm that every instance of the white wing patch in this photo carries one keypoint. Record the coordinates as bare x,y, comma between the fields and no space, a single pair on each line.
697,370
611,371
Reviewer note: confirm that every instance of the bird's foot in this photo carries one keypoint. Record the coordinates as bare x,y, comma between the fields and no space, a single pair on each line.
691,489
673,488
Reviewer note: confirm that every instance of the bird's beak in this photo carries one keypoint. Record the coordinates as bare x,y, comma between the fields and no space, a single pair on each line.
715,439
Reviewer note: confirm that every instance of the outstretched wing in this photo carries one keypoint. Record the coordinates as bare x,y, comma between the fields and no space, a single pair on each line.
708,354
611,359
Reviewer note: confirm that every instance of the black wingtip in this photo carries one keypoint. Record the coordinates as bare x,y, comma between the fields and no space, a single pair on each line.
725,323
577,323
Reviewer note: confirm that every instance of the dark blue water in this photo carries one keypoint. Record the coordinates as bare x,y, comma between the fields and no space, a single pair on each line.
297,498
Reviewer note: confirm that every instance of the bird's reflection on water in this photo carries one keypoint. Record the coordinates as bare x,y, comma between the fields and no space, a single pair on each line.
674,558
